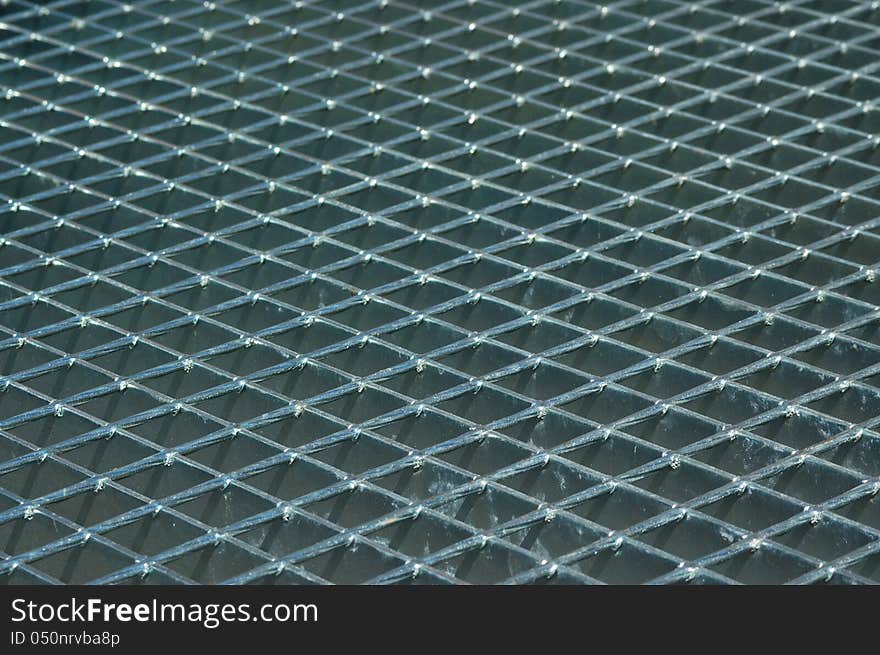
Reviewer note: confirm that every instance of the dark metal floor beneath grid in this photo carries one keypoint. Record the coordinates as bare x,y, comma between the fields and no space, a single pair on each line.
346,291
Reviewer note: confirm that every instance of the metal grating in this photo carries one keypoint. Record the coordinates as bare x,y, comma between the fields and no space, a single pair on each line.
345,291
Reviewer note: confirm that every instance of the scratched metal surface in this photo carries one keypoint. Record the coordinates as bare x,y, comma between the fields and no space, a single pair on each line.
453,292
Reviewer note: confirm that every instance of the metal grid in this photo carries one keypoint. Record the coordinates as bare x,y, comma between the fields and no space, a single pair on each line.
308,292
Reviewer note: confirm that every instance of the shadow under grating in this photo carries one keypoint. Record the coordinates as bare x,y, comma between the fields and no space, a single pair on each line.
383,292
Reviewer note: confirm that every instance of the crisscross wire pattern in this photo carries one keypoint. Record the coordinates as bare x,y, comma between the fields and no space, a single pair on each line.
458,292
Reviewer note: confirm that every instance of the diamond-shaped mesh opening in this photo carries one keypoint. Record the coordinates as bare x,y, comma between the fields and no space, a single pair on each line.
385,292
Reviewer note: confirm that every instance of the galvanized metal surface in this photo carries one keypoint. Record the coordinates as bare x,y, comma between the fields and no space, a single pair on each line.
439,292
